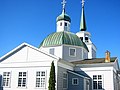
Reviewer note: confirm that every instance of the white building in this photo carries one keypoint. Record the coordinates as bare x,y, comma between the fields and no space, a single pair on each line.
77,68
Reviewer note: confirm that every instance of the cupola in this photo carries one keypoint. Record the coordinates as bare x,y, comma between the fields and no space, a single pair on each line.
63,20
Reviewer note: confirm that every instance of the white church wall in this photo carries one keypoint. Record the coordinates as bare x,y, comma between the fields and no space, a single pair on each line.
57,50
106,72
90,51
18,56
32,60
61,26
27,54
34,55
31,69
31,77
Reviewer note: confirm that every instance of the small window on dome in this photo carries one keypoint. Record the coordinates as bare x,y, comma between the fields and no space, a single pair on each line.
72,52
65,24
61,24
86,39
51,51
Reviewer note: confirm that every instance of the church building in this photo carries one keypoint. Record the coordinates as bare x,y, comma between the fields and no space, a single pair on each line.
74,55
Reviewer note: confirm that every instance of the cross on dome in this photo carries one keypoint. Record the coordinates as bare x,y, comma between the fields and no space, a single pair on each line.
63,3
83,2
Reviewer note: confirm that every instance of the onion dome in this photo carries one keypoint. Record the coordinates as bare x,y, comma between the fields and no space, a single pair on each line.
63,16
62,38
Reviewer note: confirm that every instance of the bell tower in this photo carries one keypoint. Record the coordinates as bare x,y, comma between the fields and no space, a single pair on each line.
86,36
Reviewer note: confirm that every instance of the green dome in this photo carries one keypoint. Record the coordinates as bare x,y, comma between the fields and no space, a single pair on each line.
60,38
63,16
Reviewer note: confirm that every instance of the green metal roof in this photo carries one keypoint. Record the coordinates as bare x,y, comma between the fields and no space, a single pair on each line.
63,16
59,38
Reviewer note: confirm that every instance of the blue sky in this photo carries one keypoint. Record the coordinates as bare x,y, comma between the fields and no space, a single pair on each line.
31,21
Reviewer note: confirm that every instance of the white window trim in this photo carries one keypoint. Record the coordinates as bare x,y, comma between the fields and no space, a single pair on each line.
9,84
53,49
66,79
97,82
22,77
75,52
45,79
73,81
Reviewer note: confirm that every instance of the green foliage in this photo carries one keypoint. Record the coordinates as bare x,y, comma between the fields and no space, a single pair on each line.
52,80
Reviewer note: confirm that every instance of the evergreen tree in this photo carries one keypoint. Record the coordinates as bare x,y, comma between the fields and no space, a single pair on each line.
52,80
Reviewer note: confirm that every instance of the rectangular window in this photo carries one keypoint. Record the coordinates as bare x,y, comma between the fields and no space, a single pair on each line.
6,79
99,77
65,24
86,39
61,24
94,84
94,77
51,51
72,52
65,83
40,79
22,79
97,82
75,81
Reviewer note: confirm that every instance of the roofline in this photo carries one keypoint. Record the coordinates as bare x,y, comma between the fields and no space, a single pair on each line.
116,61
66,62
95,65
66,45
26,44
78,74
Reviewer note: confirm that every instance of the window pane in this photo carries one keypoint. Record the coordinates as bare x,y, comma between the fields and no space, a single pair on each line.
99,84
64,83
6,79
86,39
24,82
99,77
94,77
37,73
40,79
65,24
51,51
20,74
94,84
65,80
42,73
72,52
61,24
22,79
24,74
19,81
75,81
64,75
37,82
